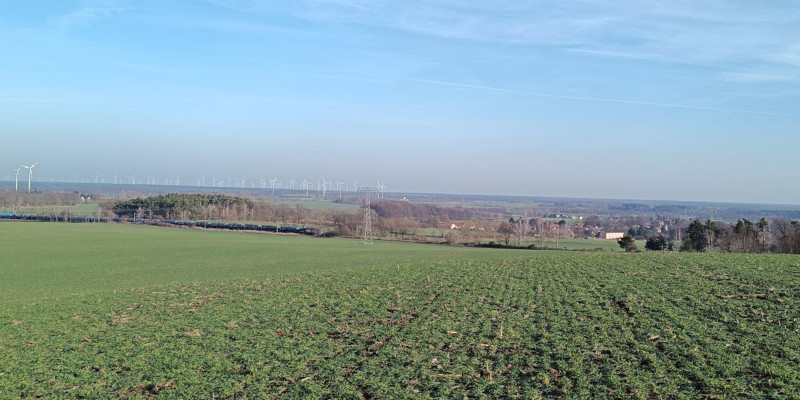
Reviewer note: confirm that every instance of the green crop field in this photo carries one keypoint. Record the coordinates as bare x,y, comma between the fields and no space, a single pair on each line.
585,244
120,311
51,260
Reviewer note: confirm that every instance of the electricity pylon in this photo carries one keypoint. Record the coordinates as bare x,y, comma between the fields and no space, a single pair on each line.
367,213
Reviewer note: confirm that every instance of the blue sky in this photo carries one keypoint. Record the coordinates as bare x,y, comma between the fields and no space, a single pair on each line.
680,100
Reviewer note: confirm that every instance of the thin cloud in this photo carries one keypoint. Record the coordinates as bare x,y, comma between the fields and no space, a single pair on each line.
85,15
757,77
597,99
29,100
622,54
789,55
717,32
41,100
217,24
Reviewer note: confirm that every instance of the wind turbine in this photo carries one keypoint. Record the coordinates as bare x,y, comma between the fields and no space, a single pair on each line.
324,186
291,183
339,187
30,174
272,183
306,185
381,186
16,180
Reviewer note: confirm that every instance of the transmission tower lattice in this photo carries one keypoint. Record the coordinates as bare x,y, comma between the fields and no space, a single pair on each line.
367,212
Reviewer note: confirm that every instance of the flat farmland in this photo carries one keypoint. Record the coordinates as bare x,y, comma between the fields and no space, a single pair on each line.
83,209
51,260
232,315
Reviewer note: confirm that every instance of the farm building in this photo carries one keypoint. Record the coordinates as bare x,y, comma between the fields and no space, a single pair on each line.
613,235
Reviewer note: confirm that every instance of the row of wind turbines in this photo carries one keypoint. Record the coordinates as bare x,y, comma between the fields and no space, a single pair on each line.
322,185
30,176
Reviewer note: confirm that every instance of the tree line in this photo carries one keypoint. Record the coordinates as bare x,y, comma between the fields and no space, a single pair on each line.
745,236
404,220
212,207
404,209
184,206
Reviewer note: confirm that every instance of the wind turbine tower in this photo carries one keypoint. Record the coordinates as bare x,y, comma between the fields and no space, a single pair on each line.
16,179
339,187
30,174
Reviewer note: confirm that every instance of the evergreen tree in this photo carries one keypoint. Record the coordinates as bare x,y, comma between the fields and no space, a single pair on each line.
656,243
696,237
628,243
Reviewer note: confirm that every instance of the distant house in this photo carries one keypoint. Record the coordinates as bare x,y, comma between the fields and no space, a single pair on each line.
613,235
455,225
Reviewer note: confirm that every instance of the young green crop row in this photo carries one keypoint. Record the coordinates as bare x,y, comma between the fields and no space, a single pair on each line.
546,325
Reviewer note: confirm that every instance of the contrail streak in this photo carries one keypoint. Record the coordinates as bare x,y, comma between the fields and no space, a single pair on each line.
583,98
